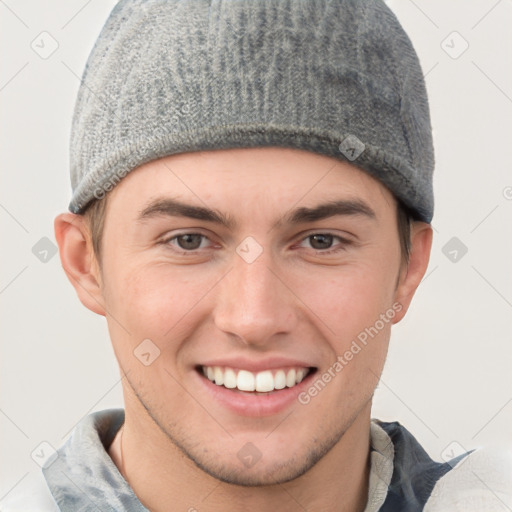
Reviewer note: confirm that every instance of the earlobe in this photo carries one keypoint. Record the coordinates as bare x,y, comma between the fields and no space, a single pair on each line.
79,261
411,276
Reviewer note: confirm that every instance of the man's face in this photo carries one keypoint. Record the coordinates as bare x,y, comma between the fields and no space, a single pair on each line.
300,256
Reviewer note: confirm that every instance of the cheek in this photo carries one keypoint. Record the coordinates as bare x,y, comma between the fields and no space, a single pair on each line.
152,302
356,312
348,299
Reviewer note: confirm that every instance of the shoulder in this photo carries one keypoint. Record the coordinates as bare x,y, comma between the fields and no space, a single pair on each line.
476,481
30,495
83,451
480,481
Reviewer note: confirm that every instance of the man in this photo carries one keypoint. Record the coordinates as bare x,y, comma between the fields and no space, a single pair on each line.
252,197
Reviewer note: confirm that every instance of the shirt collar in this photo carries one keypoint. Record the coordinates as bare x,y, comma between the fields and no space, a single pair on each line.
83,474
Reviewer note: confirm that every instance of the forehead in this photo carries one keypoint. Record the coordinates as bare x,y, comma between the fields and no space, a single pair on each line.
244,178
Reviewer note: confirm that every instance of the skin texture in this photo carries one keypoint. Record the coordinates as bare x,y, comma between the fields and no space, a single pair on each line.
295,300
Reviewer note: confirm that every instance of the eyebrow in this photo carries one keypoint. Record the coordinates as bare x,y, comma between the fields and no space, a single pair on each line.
351,207
174,208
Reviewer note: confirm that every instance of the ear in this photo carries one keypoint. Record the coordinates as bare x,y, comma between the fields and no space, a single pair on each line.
412,274
79,261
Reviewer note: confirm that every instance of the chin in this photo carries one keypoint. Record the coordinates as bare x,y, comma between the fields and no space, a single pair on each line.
260,470
262,474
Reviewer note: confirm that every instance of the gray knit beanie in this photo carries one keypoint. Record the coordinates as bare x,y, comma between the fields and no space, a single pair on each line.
336,77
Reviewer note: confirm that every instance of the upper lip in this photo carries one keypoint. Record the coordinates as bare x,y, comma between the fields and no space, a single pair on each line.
253,365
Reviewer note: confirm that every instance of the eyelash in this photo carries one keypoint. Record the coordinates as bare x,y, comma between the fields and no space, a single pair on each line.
343,243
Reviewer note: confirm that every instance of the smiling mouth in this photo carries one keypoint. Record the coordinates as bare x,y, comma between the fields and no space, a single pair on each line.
257,382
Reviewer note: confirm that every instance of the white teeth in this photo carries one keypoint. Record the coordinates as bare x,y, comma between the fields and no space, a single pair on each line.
290,378
219,375
229,378
280,380
244,381
262,382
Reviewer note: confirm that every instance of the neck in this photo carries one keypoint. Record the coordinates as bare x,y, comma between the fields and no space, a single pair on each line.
163,477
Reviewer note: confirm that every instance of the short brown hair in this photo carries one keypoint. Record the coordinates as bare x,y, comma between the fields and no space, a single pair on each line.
95,215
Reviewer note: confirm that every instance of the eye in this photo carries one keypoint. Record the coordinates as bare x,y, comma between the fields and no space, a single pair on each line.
321,241
325,242
188,241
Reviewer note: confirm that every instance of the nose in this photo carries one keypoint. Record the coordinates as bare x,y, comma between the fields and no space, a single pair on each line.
253,302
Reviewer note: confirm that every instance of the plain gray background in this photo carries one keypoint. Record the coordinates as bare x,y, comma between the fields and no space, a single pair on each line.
447,378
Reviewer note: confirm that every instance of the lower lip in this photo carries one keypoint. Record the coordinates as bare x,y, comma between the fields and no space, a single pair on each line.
254,404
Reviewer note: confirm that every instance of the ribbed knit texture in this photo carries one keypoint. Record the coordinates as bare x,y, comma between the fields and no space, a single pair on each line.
167,77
